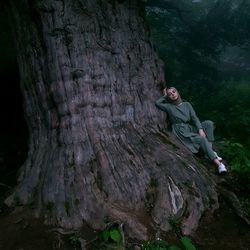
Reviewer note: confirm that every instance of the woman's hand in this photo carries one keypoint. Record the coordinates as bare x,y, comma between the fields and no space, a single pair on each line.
165,92
202,133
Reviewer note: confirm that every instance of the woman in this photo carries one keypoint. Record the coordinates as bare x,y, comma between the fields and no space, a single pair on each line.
187,127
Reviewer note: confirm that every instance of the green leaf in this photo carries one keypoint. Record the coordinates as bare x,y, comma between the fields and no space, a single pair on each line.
173,247
115,235
187,243
236,144
105,235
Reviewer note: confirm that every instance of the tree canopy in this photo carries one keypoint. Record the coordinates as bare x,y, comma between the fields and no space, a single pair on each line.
206,49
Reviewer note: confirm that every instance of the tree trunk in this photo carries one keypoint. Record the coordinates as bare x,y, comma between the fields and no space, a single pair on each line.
89,78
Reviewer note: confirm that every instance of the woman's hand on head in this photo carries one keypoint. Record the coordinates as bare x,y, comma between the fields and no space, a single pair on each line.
202,133
165,92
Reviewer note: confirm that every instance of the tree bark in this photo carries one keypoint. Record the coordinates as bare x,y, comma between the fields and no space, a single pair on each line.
89,78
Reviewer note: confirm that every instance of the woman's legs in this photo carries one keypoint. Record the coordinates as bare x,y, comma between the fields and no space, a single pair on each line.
207,149
208,127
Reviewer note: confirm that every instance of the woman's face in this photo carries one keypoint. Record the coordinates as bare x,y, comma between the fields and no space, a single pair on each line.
172,93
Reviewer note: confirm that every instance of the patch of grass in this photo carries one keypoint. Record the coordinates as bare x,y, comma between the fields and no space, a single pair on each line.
237,155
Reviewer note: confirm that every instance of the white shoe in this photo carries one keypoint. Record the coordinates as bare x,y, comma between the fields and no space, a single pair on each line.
218,157
222,168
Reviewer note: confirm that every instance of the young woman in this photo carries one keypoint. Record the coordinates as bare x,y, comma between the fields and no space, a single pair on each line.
187,127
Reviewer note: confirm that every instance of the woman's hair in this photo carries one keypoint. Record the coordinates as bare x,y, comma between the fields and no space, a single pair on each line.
172,88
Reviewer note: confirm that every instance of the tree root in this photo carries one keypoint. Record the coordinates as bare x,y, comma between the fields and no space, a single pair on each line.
234,201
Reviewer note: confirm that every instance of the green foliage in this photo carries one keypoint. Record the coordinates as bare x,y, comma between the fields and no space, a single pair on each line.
187,243
229,108
237,155
163,245
115,235
110,238
190,37
173,248
104,235
157,245
112,234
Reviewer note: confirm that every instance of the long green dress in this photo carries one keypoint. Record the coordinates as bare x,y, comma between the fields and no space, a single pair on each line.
185,126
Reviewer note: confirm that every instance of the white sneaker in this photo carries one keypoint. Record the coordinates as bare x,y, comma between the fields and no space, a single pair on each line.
222,168
218,157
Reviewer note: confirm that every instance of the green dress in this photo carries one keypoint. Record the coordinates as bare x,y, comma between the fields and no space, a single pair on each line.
185,126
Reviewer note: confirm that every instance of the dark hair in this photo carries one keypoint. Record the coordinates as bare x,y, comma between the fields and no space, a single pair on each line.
172,88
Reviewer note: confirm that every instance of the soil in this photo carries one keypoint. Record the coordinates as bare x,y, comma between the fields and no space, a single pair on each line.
224,230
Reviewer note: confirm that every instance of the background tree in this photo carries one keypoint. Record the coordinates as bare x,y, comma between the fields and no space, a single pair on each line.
205,47
89,79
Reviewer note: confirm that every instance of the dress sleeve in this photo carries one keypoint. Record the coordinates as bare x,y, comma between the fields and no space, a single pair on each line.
161,104
194,117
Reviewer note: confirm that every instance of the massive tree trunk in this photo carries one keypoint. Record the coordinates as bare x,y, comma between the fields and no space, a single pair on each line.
89,78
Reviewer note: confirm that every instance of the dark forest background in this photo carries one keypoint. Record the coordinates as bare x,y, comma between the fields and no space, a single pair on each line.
205,46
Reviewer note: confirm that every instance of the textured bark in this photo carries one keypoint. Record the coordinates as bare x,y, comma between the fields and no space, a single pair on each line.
89,78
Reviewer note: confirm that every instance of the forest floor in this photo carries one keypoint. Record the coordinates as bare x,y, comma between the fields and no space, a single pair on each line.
222,230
